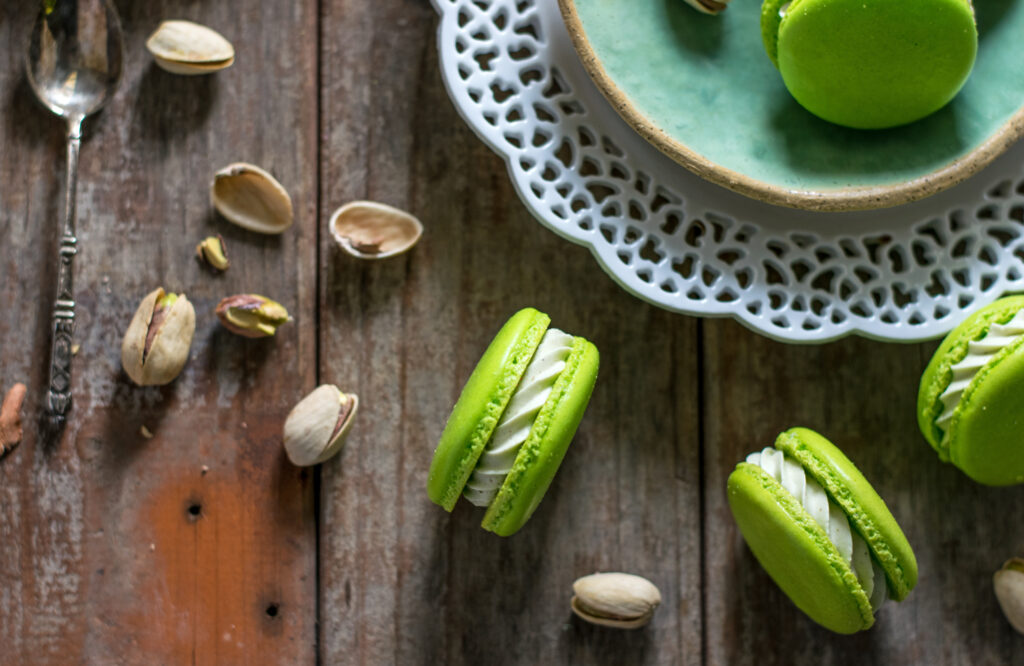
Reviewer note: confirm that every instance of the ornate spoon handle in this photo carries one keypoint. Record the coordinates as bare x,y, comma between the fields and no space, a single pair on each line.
59,397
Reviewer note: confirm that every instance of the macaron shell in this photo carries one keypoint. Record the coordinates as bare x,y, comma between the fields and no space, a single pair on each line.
481,404
872,64
771,19
987,431
796,552
542,452
938,375
867,511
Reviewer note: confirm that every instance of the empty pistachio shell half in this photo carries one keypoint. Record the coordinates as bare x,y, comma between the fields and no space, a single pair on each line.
213,252
370,230
707,6
316,428
183,47
619,600
156,345
251,315
1009,587
251,198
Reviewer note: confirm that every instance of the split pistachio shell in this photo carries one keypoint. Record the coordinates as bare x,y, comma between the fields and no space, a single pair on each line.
156,345
370,230
252,315
317,427
708,6
251,198
1009,587
183,47
619,600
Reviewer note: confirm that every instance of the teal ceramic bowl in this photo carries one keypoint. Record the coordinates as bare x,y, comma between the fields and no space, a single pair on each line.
702,90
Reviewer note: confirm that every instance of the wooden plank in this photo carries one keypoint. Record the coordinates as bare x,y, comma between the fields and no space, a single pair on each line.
401,581
862,395
101,559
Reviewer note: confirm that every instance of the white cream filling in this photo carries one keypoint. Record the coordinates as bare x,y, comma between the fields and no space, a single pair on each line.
829,516
513,428
979,353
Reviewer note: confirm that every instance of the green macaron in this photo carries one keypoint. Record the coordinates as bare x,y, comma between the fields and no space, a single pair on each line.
970,405
513,422
871,64
821,531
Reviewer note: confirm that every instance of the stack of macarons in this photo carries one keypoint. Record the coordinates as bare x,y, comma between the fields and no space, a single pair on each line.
513,422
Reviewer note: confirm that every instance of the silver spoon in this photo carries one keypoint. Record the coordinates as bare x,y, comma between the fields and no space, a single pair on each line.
74,63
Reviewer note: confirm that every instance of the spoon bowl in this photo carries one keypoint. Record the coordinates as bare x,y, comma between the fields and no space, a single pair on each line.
75,56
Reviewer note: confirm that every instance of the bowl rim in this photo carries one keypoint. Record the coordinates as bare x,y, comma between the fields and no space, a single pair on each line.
846,199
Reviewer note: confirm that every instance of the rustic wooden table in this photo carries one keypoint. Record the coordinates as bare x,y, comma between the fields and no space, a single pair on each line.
203,545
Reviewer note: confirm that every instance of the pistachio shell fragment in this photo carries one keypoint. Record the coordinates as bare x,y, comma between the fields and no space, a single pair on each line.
156,345
213,252
707,6
1008,583
618,600
252,315
370,230
183,47
316,428
251,198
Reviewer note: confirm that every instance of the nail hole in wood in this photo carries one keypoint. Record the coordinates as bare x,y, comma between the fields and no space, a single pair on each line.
194,511
272,610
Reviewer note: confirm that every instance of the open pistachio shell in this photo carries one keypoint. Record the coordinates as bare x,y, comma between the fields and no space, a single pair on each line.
370,230
183,47
708,6
251,198
156,345
618,600
1008,584
317,427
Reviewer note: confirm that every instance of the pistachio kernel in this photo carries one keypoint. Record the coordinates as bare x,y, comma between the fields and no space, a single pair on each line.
213,251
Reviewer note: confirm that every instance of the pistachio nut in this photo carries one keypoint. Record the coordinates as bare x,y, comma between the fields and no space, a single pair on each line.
213,251
156,345
250,197
1008,583
316,428
251,315
619,600
183,47
370,230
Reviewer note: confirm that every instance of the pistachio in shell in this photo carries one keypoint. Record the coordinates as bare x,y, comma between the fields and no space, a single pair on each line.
370,230
184,47
250,197
316,428
1008,584
619,600
156,345
252,315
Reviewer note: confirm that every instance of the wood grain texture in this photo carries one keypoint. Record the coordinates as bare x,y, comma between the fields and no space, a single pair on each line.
115,549
402,581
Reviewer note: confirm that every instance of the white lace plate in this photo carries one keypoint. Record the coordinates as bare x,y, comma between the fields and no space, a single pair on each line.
907,273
